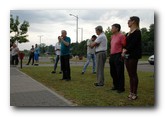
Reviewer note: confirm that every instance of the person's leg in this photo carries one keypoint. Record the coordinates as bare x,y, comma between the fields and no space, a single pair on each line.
131,65
32,59
56,62
133,75
67,66
87,63
119,62
12,60
63,67
94,63
101,58
16,59
60,64
128,66
29,60
113,72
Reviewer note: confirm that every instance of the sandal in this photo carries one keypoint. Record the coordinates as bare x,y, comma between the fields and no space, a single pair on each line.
132,96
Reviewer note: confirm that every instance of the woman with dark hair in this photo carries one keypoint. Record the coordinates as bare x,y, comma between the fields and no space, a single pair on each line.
132,54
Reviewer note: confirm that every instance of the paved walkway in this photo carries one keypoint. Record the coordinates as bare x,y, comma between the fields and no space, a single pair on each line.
25,91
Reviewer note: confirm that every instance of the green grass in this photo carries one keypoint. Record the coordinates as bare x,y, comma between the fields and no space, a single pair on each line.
80,89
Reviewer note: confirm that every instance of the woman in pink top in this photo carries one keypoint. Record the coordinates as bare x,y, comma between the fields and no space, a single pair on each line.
116,62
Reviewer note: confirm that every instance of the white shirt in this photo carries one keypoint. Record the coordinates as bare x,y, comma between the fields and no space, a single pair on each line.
57,48
89,49
102,41
14,51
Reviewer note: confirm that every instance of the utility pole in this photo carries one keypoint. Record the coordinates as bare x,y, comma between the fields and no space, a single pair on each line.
76,16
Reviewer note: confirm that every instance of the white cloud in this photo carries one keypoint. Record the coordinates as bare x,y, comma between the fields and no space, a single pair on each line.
49,23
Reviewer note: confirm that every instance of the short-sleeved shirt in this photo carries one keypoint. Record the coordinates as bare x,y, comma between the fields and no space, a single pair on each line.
102,41
65,50
117,43
14,51
57,48
89,49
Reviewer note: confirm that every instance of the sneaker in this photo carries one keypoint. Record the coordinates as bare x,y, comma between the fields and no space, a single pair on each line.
94,72
60,72
82,73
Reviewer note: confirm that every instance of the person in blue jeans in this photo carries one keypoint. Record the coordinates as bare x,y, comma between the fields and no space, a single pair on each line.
90,55
36,55
57,52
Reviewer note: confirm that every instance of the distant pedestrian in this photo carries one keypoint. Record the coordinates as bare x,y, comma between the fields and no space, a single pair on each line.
31,55
132,53
57,49
116,61
101,54
90,55
36,55
14,54
65,55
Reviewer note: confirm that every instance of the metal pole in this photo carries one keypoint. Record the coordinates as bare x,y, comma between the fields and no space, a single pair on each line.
40,36
76,16
77,31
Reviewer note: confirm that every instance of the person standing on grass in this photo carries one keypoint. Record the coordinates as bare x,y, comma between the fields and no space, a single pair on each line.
90,55
65,55
116,62
101,54
31,56
36,55
57,49
132,53
14,54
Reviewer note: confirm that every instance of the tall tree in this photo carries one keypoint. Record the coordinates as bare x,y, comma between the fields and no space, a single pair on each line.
108,34
18,31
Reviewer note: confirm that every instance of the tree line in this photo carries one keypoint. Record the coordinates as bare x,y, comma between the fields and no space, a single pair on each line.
18,33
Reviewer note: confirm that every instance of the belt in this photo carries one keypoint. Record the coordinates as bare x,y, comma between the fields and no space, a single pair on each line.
99,52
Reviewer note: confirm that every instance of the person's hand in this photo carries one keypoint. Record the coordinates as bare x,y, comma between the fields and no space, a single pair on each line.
60,37
123,52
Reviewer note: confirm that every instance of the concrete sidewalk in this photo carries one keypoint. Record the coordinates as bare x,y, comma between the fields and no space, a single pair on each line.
25,91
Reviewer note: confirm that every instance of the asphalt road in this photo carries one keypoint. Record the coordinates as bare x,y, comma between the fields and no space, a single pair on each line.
142,65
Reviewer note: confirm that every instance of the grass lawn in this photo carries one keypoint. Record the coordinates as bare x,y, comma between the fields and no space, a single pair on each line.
80,89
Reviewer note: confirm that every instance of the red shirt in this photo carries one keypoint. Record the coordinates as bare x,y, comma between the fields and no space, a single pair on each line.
118,41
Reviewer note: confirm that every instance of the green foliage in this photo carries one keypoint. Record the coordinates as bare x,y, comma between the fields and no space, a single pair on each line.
79,49
108,34
18,31
148,40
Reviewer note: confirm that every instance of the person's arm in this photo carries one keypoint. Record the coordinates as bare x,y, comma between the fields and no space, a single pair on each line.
94,44
65,42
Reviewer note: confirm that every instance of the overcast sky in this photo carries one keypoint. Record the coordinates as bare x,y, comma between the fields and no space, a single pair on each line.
49,23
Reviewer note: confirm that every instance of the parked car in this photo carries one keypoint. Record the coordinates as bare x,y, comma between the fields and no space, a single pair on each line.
151,60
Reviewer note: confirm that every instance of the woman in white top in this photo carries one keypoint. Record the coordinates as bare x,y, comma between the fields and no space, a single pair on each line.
57,49
14,54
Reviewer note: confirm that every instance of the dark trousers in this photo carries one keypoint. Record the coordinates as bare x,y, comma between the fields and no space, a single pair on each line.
117,71
31,57
14,60
65,65
131,65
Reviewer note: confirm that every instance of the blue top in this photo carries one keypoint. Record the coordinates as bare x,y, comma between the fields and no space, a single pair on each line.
65,50
36,51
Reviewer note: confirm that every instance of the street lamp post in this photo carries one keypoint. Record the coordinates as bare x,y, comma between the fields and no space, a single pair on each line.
40,36
81,33
76,16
